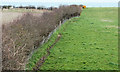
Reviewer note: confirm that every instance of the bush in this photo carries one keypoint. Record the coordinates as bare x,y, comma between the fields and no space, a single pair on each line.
23,36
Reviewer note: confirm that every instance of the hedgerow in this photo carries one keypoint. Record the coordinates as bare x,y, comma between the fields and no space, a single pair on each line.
23,36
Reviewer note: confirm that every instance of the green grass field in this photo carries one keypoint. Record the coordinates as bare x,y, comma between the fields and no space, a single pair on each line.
89,42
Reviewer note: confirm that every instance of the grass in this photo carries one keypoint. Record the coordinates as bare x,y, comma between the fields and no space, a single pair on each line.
89,42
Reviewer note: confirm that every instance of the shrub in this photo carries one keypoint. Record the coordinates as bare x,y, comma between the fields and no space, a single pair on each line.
23,36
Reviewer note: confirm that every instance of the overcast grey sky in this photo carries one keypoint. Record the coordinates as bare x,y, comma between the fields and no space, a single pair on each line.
100,1
56,3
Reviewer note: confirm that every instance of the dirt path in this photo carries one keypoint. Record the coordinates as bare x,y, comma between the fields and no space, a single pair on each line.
42,60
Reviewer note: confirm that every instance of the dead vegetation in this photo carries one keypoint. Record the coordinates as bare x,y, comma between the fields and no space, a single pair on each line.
105,20
22,36
112,26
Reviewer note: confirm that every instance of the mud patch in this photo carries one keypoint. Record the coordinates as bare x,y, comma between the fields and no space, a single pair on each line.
42,60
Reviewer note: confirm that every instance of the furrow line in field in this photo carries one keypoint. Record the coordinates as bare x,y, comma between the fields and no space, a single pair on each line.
42,60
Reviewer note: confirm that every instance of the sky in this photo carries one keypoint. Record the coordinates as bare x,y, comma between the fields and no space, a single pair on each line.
100,1
48,3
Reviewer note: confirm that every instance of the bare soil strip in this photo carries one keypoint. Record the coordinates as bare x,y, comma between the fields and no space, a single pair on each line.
42,60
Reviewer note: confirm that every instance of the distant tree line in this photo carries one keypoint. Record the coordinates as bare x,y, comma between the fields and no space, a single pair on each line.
7,7
27,7
31,7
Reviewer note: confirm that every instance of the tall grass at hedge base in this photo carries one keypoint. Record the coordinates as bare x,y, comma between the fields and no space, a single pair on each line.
22,36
